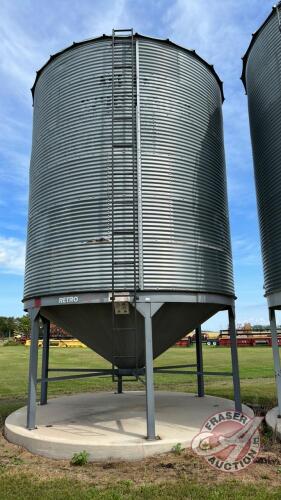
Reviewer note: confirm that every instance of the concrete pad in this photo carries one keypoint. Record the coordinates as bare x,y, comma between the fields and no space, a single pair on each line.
113,426
274,421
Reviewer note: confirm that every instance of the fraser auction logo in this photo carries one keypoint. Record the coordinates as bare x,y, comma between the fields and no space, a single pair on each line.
229,440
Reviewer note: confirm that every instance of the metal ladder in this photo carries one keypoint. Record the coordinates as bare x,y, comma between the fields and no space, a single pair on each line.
123,119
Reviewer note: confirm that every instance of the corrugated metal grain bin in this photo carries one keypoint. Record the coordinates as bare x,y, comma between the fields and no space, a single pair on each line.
262,80
178,246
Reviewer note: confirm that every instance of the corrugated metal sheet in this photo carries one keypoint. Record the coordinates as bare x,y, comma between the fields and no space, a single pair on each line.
185,221
186,242
276,10
262,70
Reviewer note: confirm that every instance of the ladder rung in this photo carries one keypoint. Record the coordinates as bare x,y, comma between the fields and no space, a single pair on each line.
125,42
121,66
123,145
123,262
122,118
123,175
123,30
123,231
123,203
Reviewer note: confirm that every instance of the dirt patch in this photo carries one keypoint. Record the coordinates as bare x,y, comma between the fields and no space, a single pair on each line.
162,468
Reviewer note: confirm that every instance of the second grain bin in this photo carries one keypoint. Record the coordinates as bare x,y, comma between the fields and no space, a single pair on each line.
128,237
262,80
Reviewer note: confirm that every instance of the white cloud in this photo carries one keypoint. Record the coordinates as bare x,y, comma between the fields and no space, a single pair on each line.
14,167
19,55
219,30
23,51
246,252
12,255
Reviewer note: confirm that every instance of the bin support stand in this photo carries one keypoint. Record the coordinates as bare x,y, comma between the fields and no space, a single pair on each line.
199,361
234,359
33,361
276,356
148,310
45,362
120,384
149,378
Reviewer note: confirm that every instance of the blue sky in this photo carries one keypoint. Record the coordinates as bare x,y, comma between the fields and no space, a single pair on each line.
219,30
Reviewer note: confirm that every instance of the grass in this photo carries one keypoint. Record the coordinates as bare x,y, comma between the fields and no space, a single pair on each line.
175,476
21,489
256,371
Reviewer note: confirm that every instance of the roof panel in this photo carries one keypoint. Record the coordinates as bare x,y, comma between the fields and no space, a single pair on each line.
137,35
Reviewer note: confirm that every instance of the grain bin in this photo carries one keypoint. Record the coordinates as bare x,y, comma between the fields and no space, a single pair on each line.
262,80
128,236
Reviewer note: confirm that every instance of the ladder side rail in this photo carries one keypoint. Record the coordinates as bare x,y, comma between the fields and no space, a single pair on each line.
134,165
112,207
134,197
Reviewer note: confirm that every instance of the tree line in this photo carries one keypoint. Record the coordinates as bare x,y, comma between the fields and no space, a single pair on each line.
10,325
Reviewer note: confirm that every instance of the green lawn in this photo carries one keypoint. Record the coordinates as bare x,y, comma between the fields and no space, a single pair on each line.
182,490
17,480
256,371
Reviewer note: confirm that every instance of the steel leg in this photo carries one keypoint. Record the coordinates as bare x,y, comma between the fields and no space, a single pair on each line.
276,357
119,385
234,358
33,359
199,360
45,362
150,404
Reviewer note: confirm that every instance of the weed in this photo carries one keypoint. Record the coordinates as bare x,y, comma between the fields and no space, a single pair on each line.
80,458
177,449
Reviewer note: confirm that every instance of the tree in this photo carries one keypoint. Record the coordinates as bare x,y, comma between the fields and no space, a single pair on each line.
23,325
3,326
7,326
10,326
247,327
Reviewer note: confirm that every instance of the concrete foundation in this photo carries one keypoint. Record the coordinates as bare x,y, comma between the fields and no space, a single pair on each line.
113,426
274,421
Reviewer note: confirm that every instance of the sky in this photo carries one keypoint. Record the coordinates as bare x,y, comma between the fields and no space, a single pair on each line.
220,32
